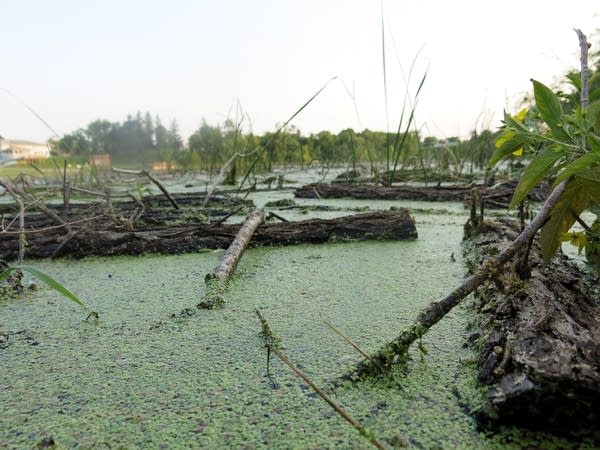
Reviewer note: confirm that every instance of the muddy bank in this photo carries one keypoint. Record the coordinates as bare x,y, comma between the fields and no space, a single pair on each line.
537,341
385,225
498,196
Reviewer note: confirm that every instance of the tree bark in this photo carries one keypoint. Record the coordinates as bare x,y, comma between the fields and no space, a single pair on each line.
217,282
498,197
100,237
398,347
537,341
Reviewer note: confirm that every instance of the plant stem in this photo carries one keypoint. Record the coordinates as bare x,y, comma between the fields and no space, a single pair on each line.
584,47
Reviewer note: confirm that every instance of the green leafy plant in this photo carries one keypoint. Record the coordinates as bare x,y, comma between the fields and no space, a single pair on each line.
47,279
561,147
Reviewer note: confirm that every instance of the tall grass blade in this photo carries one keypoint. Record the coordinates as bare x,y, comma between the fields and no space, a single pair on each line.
276,134
385,94
50,282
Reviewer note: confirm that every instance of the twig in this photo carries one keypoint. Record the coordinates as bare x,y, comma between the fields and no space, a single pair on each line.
223,171
21,233
67,239
277,216
43,230
353,345
232,213
272,342
38,204
160,186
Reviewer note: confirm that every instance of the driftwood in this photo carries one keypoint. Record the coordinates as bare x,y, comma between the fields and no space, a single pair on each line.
173,239
217,282
538,340
498,196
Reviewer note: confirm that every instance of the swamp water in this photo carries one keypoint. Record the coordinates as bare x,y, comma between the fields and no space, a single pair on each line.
138,379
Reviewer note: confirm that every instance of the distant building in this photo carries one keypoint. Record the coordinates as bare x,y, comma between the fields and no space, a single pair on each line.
22,150
101,160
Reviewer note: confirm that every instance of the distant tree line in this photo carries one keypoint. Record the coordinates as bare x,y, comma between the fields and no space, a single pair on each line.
142,139
138,138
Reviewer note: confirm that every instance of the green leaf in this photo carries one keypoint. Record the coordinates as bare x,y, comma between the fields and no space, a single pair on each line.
575,79
507,147
583,162
51,282
537,169
594,143
595,95
592,111
549,107
582,190
547,103
6,272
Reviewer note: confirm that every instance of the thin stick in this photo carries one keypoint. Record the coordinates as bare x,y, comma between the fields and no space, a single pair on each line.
21,232
272,342
160,186
38,204
232,213
42,230
277,216
353,345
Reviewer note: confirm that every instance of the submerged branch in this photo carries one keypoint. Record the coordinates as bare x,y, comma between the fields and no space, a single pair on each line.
273,344
398,348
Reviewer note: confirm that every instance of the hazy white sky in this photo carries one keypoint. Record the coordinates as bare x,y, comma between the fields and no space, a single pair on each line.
74,61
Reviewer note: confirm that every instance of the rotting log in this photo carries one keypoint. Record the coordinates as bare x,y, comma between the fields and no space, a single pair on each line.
97,240
217,281
397,348
537,340
498,196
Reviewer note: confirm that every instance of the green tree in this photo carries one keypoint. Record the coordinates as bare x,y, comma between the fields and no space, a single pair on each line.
98,135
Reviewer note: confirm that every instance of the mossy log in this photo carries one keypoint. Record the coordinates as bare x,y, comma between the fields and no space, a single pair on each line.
537,340
217,281
384,225
498,196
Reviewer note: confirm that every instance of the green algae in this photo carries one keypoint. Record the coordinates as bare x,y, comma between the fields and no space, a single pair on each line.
202,381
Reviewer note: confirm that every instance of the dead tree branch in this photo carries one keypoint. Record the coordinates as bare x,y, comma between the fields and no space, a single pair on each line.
217,282
154,180
397,349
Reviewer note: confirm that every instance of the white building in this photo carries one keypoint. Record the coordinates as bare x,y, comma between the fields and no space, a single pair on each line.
15,150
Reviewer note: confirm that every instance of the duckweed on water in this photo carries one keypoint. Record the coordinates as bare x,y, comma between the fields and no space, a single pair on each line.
201,382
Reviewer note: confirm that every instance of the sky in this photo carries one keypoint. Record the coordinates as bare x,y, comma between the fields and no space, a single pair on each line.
73,62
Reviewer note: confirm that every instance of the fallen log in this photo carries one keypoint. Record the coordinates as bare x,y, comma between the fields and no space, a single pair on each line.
174,239
537,340
217,282
498,196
